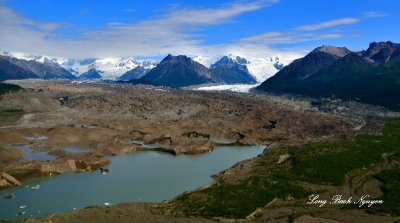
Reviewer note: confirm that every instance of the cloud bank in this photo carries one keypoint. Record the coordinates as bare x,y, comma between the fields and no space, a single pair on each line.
175,31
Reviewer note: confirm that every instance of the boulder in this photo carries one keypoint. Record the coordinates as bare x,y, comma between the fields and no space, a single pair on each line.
72,165
97,164
8,179
205,148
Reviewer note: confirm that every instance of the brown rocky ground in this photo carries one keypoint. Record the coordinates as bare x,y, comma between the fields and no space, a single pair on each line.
118,213
171,118
179,121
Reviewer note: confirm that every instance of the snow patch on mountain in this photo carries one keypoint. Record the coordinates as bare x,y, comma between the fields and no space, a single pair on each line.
111,68
205,60
40,59
264,68
244,88
261,68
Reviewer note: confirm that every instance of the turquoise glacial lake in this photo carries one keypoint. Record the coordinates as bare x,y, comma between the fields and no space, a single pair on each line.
135,177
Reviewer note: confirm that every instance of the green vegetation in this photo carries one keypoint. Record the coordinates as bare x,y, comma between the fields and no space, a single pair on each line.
11,111
391,190
323,163
350,78
10,116
328,163
239,200
4,88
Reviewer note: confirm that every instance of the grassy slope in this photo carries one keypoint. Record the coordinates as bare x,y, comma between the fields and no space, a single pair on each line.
10,115
391,189
325,163
4,88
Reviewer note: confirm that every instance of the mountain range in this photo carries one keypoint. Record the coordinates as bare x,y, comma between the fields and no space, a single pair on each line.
129,68
13,68
370,76
109,68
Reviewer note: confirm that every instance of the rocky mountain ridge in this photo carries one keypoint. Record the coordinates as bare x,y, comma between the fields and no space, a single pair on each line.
371,76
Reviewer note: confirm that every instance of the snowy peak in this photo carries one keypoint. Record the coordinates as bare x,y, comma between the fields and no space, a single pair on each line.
204,60
264,68
29,57
260,68
39,69
237,59
230,61
110,68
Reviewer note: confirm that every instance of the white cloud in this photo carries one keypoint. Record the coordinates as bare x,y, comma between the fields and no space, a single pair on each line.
323,30
213,16
329,24
272,38
175,31
373,14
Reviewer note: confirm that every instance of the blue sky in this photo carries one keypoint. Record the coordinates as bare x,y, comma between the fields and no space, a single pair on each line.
155,28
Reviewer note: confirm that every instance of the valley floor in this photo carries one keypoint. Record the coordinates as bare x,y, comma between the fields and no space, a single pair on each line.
105,118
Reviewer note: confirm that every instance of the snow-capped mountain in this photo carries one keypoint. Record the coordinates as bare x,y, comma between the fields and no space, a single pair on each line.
264,68
40,59
110,68
14,68
260,68
232,70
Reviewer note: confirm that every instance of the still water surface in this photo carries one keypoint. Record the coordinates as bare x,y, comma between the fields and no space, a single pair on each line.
136,177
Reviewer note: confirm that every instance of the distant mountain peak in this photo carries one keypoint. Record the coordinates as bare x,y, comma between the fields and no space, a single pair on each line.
381,52
48,70
236,59
332,50
91,74
179,71
382,44
320,57
178,58
135,73
232,70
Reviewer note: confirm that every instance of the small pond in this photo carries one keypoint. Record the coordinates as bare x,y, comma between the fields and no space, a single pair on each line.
30,154
75,150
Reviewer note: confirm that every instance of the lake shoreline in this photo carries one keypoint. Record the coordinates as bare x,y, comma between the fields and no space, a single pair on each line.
166,176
